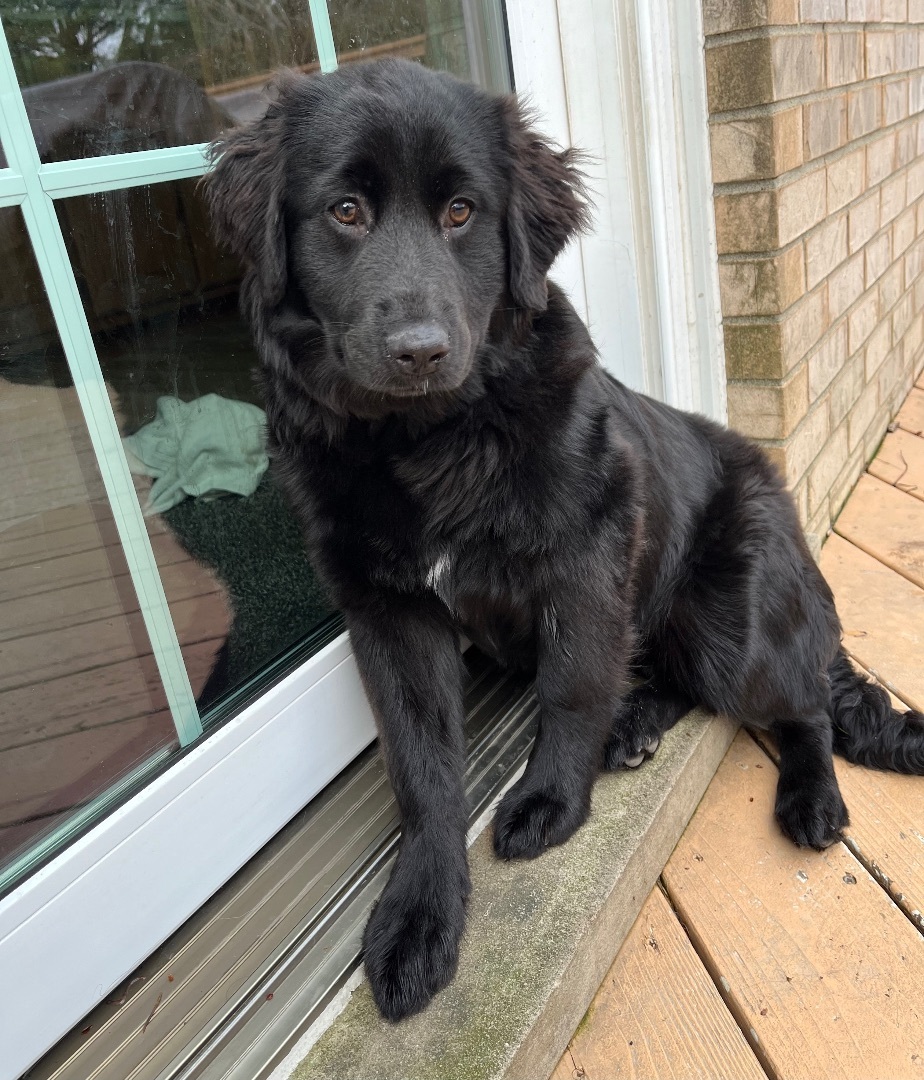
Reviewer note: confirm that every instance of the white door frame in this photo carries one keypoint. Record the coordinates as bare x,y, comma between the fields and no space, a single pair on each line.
608,79
624,81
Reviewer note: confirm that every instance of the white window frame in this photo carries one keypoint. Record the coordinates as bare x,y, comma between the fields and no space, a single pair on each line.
608,79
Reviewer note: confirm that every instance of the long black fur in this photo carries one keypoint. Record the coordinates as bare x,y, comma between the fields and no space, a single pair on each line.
515,492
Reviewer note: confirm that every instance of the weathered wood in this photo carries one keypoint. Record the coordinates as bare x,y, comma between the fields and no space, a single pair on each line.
46,777
886,831
911,415
89,560
900,461
105,598
817,964
49,708
56,653
883,617
886,524
658,1014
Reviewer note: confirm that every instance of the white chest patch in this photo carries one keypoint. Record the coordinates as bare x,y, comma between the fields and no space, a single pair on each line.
439,571
439,578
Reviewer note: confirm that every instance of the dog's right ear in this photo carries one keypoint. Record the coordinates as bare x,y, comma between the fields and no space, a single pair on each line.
245,196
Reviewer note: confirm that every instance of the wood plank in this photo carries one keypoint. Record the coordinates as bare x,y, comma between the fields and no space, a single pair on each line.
883,617
657,1014
900,461
89,560
60,774
816,962
55,653
886,524
85,699
886,831
104,598
911,415
886,824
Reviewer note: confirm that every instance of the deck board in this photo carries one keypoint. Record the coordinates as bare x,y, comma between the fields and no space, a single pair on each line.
911,415
97,644
886,524
900,461
818,965
658,1015
104,598
886,831
79,700
883,617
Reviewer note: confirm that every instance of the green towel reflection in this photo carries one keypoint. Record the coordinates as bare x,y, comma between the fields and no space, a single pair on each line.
209,446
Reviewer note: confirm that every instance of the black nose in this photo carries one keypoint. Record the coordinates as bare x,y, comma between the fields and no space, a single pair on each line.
418,348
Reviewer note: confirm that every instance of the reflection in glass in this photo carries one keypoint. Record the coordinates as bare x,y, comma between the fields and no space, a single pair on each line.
111,76
162,304
81,704
435,32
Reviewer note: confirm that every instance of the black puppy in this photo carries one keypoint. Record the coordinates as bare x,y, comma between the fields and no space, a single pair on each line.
461,462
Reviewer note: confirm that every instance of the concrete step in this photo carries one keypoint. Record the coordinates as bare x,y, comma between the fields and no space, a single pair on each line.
541,935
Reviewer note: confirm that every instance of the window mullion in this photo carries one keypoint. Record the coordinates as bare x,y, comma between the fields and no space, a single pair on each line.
61,286
323,35
85,176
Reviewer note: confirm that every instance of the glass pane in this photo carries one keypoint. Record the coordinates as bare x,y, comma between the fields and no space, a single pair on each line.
162,305
81,704
450,35
109,76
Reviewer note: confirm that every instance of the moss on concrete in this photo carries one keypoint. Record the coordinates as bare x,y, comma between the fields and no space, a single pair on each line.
540,936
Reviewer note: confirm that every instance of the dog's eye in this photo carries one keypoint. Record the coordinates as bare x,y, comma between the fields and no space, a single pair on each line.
347,212
460,210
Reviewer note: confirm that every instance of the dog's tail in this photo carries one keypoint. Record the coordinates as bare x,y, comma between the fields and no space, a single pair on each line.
867,730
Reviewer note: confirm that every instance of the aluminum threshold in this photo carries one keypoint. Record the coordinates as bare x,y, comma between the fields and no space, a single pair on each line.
235,988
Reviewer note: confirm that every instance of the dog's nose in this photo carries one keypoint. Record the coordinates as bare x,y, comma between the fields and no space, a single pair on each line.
417,349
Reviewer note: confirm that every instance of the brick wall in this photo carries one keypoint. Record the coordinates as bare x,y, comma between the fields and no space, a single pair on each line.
817,129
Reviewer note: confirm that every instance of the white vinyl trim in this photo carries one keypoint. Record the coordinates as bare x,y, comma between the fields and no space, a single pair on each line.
538,77
77,927
670,45
625,83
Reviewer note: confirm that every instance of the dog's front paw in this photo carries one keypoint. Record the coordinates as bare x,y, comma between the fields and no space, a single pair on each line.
529,820
811,816
411,948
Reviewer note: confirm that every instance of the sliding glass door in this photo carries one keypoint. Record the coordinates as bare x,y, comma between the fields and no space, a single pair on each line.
174,685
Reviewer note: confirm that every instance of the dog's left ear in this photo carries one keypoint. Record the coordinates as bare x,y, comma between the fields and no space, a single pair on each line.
547,207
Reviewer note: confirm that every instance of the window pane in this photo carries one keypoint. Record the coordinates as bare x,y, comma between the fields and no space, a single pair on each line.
81,704
110,76
162,305
465,37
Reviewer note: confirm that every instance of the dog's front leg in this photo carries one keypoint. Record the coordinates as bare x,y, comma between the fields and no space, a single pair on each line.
584,646
408,656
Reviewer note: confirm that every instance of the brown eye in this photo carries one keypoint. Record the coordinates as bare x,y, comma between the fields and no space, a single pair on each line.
459,212
347,212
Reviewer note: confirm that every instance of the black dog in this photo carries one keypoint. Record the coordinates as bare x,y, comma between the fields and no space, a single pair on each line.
460,461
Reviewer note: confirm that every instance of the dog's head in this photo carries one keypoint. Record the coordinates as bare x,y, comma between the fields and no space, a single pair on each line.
391,211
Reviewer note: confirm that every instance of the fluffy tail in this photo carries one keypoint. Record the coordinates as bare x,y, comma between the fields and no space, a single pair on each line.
867,730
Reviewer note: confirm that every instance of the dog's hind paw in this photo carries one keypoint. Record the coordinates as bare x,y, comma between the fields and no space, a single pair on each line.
812,817
619,754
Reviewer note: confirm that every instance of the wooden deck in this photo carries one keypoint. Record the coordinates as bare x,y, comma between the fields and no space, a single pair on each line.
754,958
81,701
